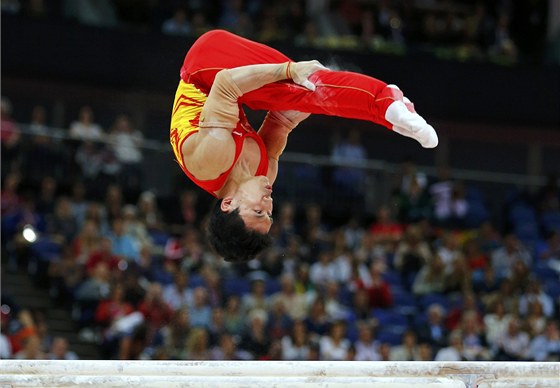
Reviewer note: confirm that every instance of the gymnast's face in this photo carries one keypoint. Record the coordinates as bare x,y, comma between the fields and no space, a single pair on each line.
253,198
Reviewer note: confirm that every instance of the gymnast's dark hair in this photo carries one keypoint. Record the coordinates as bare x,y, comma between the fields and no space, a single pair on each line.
231,239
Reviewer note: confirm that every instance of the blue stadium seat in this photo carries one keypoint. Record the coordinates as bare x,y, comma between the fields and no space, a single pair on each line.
405,303
45,249
390,317
393,278
542,271
428,299
389,335
551,221
552,288
236,286
159,238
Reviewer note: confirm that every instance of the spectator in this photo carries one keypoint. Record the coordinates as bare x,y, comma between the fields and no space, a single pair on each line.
546,346
178,295
178,24
535,321
367,349
257,298
407,350
385,231
431,278
31,350
512,344
453,352
227,350
200,311
294,304
323,270
104,254
279,322
342,257
335,308
476,260
317,320
46,201
434,331
411,254
134,227
126,144
11,199
505,256
534,293
235,316
97,286
62,225
496,322
217,325
111,310
85,129
414,204
256,339
474,343
148,211
449,251
156,312
197,344
360,304
122,244
78,202
59,350
174,335
379,291
351,180
295,346
333,346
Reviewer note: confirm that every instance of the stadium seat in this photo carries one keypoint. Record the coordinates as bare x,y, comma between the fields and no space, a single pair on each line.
236,286
159,238
551,221
428,299
392,335
552,288
390,317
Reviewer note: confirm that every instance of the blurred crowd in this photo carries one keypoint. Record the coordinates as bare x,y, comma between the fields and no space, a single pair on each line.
505,31
428,277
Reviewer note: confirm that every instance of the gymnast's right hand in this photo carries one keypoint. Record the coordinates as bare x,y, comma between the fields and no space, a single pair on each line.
299,72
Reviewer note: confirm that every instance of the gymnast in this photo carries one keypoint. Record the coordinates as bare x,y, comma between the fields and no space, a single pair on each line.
219,151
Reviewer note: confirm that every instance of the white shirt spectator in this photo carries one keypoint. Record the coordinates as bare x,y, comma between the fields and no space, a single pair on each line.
448,354
293,352
177,299
331,351
367,351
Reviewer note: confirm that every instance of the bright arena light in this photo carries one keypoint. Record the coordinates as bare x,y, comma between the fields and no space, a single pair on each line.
268,374
29,234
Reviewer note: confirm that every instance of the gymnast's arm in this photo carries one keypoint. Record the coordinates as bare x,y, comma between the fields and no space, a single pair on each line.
274,131
212,149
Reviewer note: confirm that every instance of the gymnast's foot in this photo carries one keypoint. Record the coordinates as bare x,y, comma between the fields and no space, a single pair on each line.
409,123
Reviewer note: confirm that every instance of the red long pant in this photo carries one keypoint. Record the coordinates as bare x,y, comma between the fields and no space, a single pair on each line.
338,93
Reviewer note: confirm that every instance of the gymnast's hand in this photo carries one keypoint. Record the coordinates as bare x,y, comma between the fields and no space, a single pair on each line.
299,72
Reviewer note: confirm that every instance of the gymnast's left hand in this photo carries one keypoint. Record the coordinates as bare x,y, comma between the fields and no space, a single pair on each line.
300,71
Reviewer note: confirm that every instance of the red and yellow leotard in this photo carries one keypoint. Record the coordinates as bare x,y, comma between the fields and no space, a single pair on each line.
184,122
